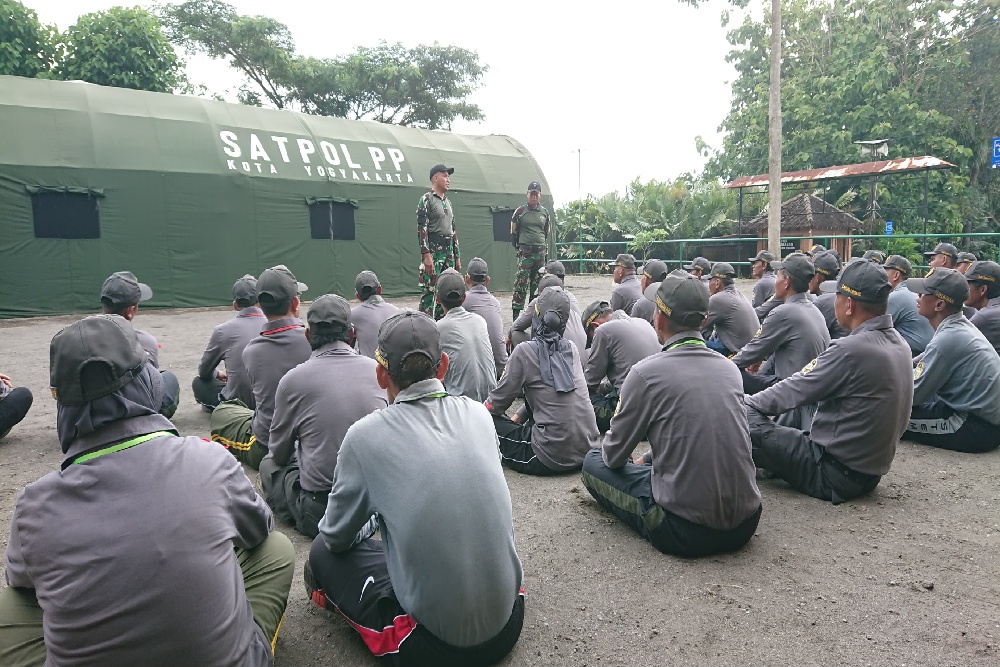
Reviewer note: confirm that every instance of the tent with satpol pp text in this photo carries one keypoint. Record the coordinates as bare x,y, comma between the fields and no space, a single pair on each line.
190,194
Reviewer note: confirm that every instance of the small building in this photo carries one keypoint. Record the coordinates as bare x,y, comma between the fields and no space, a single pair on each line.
808,215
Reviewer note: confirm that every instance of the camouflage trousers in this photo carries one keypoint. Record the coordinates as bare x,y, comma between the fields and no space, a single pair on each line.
443,258
530,259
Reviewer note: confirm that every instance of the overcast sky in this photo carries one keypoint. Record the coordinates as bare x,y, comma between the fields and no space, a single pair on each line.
631,83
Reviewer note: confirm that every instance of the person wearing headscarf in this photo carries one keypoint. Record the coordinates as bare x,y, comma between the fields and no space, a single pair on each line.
146,548
559,426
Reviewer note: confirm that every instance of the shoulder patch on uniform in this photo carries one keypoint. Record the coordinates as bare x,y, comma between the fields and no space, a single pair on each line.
808,367
759,330
918,370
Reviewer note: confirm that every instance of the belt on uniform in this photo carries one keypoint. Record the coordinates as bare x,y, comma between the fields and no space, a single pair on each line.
439,239
317,496
859,478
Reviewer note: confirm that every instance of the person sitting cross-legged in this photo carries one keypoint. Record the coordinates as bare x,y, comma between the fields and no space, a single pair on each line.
14,404
560,425
862,388
369,315
465,337
696,494
444,585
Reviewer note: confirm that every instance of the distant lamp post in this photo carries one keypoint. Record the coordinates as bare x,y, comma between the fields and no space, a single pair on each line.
579,195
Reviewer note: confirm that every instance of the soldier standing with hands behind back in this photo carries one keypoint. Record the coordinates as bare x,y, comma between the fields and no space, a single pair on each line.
437,236
530,228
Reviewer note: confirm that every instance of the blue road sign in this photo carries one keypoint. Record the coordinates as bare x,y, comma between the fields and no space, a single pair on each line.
888,227
996,152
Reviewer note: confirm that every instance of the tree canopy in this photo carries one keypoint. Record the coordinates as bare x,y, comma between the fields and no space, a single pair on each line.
25,44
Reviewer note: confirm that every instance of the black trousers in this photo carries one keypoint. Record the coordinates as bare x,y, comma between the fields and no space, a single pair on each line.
935,424
288,500
755,383
206,392
171,394
13,408
515,448
792,455
628,494
356,584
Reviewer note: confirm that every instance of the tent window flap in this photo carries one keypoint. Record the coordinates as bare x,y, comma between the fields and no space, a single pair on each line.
65,215
331,220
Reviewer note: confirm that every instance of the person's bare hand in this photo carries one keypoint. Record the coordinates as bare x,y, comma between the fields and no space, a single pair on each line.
428,264
516,419
510,345
458,265
222,376
753,370
6,380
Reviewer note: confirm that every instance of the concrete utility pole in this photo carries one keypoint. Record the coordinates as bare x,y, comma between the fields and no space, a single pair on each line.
774,138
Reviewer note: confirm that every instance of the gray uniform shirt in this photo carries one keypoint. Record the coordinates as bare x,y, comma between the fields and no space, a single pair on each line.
863,386
911,325
226,345
317,401
280,347
765,308
478,300
564,427
795,332
131,553
987,321
700,441
825,302
367,317
149,343
466,340
644,309
961,368
626,293
574,327
733,318
429,464
618,345
764,289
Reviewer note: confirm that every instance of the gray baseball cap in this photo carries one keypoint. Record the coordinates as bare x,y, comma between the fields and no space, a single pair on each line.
683,298
699,263
329,313
123,289
826,264
651,289
593,311
723,271
862,281
765,256
366,284
278,284
477,270
553,299
624,260
245,289
450,287
797,265
876,256
556,268
816,249
983,271
655,270
549,280
946,249
965,258
409,332
899,263
93,357
946,284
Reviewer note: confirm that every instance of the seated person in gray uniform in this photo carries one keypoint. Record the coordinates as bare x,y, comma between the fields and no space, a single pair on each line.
146,548
795,332
731,321
760,268
699,268
964,262
213,385
520,329
862,387
14,404
121,295
944,256
444,584
369,315
984,295
616,343
911,325
316,402
478,300
466,340
560,425
827,269
696,495
653,273
956,404
555,268
280,347
627,288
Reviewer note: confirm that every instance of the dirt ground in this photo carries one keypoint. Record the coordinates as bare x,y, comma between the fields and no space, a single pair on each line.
905,576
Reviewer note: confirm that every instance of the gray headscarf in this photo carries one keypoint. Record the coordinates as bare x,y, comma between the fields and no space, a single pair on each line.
555,354
140,397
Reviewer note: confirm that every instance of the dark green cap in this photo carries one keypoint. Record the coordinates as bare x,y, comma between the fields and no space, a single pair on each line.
655,270
450,287
593,311
797,265
861,280
410,332
683,298
946,284
329,313
899,263
93,357
699,263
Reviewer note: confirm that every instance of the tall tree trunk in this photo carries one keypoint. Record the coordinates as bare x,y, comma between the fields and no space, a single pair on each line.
774,127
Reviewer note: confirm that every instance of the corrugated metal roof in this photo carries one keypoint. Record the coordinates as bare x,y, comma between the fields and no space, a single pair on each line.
898,166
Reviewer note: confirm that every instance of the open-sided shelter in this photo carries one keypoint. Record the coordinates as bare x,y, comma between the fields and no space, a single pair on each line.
190,194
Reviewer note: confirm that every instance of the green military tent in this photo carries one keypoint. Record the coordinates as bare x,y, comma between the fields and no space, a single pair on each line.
190,194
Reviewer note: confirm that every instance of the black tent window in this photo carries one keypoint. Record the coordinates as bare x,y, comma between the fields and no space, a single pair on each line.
501,223
331,220
65,215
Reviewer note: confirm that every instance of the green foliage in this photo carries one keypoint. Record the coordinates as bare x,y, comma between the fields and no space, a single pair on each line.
921,74
426,86
25,44
119,47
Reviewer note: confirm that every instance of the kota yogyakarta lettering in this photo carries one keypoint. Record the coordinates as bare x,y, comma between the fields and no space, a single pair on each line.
326,160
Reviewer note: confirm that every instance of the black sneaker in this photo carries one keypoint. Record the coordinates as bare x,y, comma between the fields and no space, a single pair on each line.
316,594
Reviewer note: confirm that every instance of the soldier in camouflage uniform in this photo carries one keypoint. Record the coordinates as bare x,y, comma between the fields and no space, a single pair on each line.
437,236
530,229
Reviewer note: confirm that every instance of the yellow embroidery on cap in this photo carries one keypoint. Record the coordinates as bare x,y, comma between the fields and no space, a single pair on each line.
918,370
662,306
850,290
381,359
